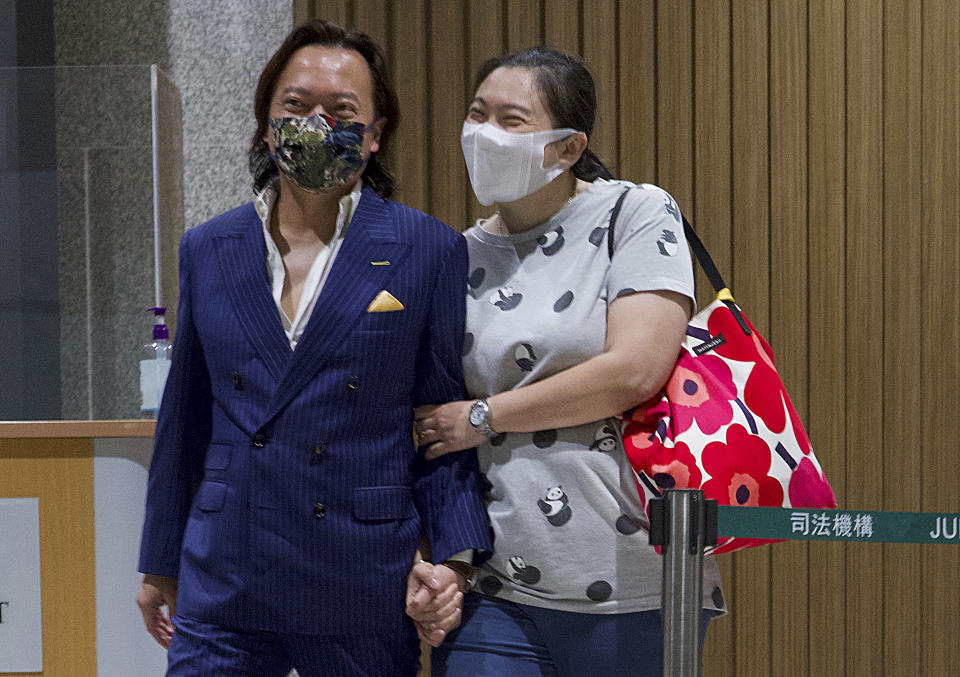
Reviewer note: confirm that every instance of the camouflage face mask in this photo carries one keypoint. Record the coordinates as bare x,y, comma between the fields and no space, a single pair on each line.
318,153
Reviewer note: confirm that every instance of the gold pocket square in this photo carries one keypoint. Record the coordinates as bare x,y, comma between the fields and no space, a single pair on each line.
384,302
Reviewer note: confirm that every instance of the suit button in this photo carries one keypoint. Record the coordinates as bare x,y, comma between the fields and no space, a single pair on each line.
320,449
354,383
236,379
259,441
319,511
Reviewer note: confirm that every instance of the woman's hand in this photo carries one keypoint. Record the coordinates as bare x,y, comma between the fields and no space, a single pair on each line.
443,428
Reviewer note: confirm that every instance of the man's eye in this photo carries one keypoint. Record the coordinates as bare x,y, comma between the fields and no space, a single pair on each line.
475,115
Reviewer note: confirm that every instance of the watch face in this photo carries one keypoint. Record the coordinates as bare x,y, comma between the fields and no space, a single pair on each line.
476,414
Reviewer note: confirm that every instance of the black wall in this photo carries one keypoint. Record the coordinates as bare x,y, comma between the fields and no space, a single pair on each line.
29,249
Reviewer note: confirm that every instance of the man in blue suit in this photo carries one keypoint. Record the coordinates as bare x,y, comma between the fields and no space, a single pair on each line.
286,498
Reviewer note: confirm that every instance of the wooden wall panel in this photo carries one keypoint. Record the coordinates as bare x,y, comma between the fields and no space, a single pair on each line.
940,366
337,11
675,100
562,22
599,32
827,279
816,146
750,284
60,473
446,173
409,156
486,39
711,213
902,303
524,23
788,299
373,18
712,155
864,372
637,104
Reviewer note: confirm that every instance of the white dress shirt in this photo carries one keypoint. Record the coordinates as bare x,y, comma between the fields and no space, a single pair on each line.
313,285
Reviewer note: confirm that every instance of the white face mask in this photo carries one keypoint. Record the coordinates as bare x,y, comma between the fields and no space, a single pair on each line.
504,167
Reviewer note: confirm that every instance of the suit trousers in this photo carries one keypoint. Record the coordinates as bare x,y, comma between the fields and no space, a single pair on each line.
205,650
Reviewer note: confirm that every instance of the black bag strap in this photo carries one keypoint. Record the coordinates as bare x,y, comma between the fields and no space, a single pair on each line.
699,251
613,220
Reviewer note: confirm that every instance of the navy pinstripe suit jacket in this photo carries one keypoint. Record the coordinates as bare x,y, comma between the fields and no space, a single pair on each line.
285,492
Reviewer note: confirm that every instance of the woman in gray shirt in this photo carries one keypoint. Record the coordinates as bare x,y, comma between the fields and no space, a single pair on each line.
560,339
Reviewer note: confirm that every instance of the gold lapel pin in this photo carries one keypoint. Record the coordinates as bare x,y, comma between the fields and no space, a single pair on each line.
379,263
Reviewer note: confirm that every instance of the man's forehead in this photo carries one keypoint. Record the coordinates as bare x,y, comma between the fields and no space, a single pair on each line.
320,66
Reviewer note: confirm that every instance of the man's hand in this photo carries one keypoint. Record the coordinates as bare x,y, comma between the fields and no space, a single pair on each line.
434,600
157,592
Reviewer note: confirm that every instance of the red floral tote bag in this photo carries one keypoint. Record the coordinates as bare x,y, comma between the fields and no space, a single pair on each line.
723,423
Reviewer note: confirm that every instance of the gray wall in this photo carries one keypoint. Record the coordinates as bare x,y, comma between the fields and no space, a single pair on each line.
217,50
76,213
213,53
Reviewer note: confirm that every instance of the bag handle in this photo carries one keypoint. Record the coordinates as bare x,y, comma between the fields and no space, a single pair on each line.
699,251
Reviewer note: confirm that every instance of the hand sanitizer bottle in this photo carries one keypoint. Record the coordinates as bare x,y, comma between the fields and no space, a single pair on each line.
154,366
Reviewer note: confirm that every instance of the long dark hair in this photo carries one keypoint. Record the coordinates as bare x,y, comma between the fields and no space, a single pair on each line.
328,34
566,88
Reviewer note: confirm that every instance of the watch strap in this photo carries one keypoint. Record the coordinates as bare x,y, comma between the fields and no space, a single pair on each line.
469,572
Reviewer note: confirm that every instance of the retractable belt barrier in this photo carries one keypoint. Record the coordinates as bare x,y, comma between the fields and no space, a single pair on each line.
682,522
855,526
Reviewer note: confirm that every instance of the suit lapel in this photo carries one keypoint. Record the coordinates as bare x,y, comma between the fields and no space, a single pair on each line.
241,256
352,284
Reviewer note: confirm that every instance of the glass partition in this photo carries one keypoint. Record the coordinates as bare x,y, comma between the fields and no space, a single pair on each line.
91,209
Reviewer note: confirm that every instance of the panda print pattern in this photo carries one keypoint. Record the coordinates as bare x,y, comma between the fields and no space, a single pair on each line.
563,503
605,439
554,506
667,244
506,298
523,573
552,242
525,357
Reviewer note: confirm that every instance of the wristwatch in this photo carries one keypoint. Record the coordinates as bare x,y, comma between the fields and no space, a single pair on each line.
479,413
469,572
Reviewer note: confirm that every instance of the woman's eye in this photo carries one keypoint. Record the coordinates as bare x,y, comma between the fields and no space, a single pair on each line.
475,115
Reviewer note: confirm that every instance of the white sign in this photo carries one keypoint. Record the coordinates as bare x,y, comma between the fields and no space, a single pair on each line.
21,645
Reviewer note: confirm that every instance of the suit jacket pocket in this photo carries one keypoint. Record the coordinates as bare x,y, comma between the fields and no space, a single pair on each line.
383,503
218,456
211,496
379,323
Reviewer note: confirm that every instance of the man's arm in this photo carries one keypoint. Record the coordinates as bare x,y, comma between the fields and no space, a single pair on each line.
183,430
447,489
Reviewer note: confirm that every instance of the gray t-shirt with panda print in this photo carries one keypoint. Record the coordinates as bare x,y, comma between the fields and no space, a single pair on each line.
563,503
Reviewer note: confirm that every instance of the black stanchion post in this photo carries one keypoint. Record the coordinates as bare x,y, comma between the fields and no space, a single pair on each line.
678,523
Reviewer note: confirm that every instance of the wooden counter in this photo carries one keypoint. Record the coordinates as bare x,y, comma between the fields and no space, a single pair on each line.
74,429
90,479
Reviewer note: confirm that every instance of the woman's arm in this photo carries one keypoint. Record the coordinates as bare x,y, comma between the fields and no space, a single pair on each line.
644,331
